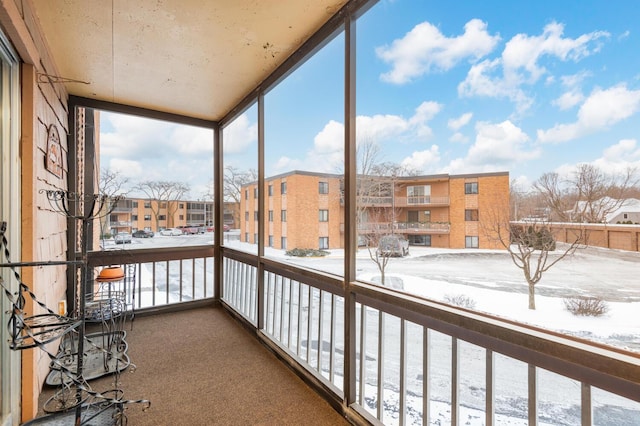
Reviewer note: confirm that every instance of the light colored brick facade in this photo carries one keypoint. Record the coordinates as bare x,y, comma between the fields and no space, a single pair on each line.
433,211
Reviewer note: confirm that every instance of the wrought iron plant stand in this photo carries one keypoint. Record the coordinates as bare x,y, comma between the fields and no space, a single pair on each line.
104,351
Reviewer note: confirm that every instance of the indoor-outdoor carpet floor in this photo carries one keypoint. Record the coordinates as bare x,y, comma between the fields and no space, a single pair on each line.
200,367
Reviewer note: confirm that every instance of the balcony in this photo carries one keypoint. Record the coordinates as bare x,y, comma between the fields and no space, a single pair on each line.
389,201
415,228
375,355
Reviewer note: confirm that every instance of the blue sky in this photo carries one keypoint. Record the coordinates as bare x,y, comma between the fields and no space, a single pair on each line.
455,87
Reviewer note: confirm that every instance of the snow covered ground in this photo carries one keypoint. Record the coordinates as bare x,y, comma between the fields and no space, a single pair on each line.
490,279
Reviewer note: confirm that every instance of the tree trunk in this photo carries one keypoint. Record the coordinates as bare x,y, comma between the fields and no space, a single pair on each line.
532,296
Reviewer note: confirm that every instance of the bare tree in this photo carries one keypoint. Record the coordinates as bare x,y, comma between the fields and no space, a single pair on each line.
529,245
598,193
111,184
588,195
375,211
555,195
234,180
166,194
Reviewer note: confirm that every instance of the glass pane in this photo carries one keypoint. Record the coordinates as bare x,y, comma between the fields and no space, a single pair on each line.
240,147
164,173
492,134
439,378
511,397
304,163
472,382
610,409
558,399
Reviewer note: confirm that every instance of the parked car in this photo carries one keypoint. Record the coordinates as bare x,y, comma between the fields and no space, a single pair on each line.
171,232
122,238
393,245
189,230
225,228
142,233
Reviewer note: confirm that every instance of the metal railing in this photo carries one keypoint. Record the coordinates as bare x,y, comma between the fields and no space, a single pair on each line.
424,362
416,361
161,276
416,227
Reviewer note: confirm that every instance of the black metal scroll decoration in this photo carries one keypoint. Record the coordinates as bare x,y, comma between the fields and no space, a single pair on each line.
28,331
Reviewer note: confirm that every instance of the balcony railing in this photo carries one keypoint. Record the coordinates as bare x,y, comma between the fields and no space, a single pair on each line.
405,227
422,200
389,201
422,362
161,276
395,358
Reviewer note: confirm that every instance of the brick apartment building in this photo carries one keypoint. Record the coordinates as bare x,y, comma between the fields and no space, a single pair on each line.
306,210
131,214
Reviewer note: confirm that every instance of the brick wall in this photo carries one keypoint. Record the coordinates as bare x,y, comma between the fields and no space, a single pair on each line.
620,237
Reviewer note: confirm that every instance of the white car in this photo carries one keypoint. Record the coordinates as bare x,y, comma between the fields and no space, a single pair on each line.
169,232
122,238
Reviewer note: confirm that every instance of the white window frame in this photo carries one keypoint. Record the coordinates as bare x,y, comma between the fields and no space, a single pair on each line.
10,202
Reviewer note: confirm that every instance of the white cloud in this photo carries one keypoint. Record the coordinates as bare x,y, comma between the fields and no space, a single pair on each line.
615,159
193,140
624,150
127,168
458,138
394,127
422,160
480,82
497,147
327,153
600,110
425,49
568,100
520,63
524,52
144,149
239,135
456,124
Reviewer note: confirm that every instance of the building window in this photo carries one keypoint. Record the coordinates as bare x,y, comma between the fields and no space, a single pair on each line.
147,204
134,217
625,215
134,204
270,215
181,217
246,194
246,237
471,241
270,190
471,214
471,188
323,187
270,240
255,192
147,217
246,216
323,243
163,205
113,218
283,188
283,243
255,238
283,215
323,216
255,215
420,194
162,217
